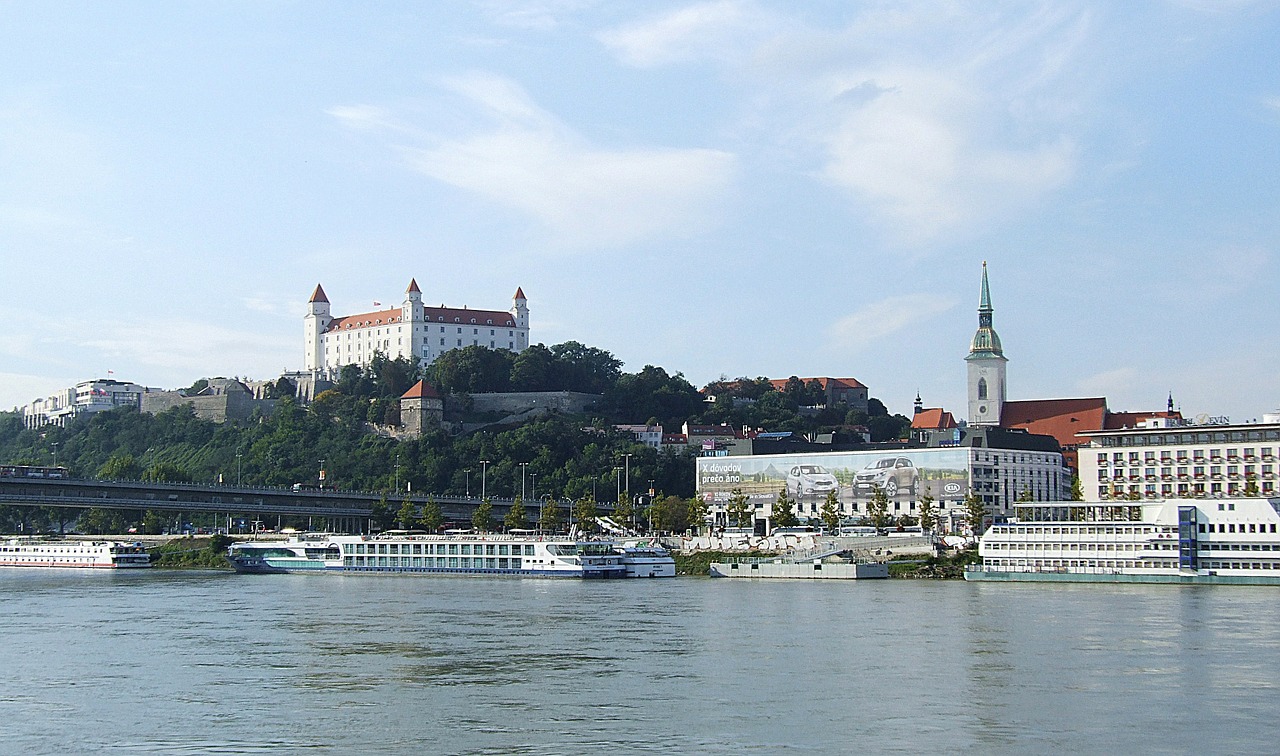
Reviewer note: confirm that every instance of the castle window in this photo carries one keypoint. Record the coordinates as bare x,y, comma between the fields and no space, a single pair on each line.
473,320
488,322
982,388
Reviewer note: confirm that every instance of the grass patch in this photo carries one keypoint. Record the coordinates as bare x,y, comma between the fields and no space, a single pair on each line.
192,554
947,567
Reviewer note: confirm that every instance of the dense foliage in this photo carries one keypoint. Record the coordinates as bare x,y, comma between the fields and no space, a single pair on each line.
570,458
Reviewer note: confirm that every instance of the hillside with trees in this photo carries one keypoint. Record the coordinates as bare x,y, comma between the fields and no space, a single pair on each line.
569,457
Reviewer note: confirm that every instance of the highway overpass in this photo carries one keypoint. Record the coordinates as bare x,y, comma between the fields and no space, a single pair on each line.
344,511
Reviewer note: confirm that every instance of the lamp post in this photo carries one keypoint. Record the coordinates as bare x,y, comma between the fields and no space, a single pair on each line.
627,458
397,474
524,466
322,472
617,478
484,469
55,453
468,472
238,456
535,484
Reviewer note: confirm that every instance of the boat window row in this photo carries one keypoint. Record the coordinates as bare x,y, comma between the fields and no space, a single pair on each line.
436,563
1216,565
1083,530
443,549
1042,546
1205,545
1055,565
1230,527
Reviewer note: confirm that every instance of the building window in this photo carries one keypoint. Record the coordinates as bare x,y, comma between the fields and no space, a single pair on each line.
982,388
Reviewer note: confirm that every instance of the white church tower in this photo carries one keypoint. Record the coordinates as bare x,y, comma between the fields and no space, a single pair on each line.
986,366
315,322
520,309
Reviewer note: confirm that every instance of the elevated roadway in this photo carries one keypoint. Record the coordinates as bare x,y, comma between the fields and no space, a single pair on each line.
345,510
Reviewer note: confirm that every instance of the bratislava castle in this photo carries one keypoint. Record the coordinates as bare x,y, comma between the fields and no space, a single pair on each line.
410,330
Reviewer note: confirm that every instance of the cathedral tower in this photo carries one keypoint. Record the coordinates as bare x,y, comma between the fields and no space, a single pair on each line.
986,365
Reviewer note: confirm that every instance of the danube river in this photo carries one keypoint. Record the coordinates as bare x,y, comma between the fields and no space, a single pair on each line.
193,663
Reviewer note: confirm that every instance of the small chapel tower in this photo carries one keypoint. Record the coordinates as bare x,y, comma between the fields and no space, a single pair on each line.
986,364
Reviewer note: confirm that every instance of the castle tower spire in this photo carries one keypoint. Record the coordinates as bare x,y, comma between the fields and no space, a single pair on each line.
986,364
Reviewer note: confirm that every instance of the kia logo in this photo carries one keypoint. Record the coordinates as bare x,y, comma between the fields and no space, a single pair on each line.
952,488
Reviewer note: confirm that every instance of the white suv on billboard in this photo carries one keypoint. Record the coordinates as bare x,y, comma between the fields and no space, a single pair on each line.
892,474
810,480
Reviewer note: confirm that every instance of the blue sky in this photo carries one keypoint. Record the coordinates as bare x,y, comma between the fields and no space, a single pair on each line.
720,188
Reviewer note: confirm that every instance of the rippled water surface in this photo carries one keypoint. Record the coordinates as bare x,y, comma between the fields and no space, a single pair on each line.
175,662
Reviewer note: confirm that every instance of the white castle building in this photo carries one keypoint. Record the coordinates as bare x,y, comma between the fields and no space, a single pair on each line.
410,330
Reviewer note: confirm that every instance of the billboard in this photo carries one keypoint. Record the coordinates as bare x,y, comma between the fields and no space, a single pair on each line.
904,475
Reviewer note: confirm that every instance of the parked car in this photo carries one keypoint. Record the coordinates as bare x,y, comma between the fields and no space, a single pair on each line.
810,480
892,474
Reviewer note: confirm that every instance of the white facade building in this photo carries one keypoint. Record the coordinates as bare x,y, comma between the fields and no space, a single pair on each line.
1167,458
410,330
83,398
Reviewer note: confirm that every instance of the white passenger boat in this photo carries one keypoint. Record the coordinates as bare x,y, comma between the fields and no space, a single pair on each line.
467,553
1175,541
57,552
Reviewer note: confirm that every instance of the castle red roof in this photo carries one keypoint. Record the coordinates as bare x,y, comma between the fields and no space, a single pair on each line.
413,285
439,315
421,390
848,383
318,295
519,293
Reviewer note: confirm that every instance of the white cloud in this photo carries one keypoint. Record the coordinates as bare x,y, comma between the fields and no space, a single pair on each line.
932,118
19,389
882,319
585,195
705,30
533,15
184,348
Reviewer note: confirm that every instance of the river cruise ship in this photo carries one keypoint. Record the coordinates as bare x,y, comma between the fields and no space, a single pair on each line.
459,553
1233,541
51,552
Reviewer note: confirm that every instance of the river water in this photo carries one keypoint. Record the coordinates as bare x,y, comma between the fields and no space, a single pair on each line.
201,662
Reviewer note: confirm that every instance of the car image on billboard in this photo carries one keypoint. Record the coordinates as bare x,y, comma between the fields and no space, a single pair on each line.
893,475
810,480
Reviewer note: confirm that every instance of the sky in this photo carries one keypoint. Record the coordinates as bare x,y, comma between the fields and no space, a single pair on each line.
724,188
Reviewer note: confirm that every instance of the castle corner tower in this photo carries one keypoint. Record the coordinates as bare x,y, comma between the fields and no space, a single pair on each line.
986,364
316,321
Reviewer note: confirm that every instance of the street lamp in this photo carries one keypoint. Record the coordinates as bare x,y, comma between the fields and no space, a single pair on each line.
524,466
627,457
617,478
55,453
468,472
484,468
322,472
397,474
238,456
535,485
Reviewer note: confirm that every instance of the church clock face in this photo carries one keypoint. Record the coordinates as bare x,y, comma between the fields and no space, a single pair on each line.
982,409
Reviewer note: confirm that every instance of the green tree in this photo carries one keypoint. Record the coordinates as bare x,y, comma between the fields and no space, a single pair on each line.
624,511
482,517
381,514
431,518
739,509
878,508
1077,489
119,467
697,510
515,518
784,514
584,512
830,512
928,516
1250,484
975,513
550,517
153,523
165,472
407,514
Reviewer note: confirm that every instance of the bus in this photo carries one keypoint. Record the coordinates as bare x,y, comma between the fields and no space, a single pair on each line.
33,471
